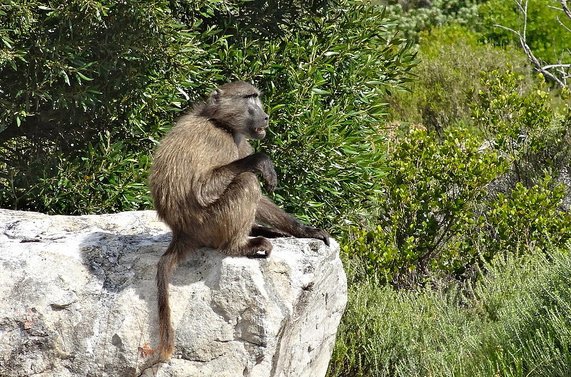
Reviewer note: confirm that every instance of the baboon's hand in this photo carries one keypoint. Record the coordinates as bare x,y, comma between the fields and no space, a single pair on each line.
311,232
267,171
269,175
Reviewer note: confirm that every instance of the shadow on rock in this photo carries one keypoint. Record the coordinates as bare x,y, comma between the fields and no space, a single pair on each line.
120,261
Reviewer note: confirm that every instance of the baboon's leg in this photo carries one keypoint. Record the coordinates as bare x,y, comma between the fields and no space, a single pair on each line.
231,218
268,232
175,253
270,214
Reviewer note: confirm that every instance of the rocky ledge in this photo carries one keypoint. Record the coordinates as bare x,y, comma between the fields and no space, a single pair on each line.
78,298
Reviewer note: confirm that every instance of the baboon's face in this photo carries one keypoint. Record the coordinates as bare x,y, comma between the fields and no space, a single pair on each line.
238,106
256,119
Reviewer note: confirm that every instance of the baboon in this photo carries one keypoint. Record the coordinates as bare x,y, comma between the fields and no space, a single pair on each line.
204,183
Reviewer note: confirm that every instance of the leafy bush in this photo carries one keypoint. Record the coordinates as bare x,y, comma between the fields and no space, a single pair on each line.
429,199
514,322
454,198
525,125
448,77
71,72
525,210
89,66
252,19
324,78
327,94
109,178
526,219
421,15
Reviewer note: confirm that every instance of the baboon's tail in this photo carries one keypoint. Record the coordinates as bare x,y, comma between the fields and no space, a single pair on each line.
165,268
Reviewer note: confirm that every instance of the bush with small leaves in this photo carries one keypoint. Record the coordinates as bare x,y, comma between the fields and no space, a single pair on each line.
527,126
429,198
421,15
526,219
449,198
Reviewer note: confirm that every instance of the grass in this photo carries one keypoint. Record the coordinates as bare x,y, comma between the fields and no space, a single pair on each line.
516,321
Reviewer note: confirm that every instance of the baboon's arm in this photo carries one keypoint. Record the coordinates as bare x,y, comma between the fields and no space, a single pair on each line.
270,214
217,181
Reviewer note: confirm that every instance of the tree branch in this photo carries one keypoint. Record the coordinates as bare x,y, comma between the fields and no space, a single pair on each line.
560,79
552,66
566,9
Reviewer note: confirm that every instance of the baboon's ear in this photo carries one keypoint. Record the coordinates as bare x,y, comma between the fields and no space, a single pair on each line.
216,94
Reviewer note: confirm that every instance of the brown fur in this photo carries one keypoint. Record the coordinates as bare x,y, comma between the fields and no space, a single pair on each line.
205,187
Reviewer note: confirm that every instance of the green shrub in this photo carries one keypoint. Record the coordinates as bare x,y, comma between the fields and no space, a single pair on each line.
525,208
523,124
326,94
252,19
71,72
416,16
514,322
509,114
429,199
454,199
448,77
109,178
390,333
324,78
525,219
524,304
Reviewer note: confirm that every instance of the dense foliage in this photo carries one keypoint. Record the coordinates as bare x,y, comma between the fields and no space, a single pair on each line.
478,174
77,137
474,169
448,77
415,16
429,201
327,89
86,83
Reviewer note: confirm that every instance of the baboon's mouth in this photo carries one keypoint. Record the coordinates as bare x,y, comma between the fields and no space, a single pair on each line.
260,131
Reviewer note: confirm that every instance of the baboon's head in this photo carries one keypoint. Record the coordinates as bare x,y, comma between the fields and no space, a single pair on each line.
237,107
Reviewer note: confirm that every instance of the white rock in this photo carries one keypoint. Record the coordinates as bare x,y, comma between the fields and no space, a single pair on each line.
78,298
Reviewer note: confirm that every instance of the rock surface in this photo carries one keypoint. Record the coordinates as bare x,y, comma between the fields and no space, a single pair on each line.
78,298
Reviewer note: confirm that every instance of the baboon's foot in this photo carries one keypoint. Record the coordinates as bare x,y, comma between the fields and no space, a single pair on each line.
259,247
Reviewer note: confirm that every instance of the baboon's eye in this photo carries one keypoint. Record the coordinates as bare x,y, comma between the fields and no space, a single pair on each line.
253,95
251,111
